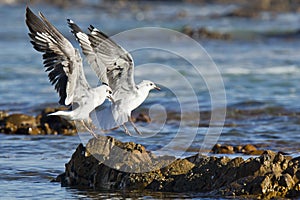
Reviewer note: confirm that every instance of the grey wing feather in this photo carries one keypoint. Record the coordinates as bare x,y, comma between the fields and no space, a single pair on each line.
111,63
61,60
117,60
97,65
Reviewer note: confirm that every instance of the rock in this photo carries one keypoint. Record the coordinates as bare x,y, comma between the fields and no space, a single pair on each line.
34,131
179,166
20,120
255,152
3,115
188,30
142,117
44,124
41,124
248,148
55,124
203,33
295,192
18,124
244,13
286,181
111,164
223,149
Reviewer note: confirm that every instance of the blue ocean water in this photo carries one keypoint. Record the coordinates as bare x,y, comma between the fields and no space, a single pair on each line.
259,70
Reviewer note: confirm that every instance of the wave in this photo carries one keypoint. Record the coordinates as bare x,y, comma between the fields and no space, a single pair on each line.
289,69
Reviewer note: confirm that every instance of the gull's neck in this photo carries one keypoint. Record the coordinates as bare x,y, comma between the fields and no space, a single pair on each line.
142,93
141,88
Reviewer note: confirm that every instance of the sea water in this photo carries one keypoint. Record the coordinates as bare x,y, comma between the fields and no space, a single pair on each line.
256,75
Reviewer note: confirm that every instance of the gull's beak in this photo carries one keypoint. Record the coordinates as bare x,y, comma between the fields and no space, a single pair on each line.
111,99
157,88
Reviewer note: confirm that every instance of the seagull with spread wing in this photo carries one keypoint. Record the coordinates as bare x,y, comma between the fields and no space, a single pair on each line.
113,65
64,66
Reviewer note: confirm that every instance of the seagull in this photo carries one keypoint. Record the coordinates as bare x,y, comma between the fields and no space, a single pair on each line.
113,65
63,64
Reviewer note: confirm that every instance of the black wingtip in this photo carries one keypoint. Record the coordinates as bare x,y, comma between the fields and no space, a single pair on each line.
74,27
28,9
70,21
91,28
28,13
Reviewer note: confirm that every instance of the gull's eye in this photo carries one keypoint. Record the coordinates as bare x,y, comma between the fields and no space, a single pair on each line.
110,92
151,84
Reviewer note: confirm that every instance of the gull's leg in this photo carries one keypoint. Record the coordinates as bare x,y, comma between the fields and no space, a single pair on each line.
89,130
91,124
109,130
134,126
126,130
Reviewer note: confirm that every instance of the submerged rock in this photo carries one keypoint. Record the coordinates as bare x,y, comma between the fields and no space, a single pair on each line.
203,33
106,163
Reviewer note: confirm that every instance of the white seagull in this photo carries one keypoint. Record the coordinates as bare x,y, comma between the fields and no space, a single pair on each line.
113,65
64,66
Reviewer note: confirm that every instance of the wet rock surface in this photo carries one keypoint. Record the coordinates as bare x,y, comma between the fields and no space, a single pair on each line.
248,149
204,33
42,124
18,123
106,163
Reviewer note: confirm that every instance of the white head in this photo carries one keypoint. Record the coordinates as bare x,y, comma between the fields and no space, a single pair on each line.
148,85
105,90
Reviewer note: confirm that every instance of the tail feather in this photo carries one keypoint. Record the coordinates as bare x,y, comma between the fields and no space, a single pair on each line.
64,114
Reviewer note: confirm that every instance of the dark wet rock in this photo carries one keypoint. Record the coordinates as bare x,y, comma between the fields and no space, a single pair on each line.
41,124
55,124
247,149
3,114
108,163
142,117
18,124
203,33
223,149
20,120
244,13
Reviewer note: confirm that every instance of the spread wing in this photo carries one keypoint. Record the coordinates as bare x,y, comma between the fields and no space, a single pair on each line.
112,64
62,62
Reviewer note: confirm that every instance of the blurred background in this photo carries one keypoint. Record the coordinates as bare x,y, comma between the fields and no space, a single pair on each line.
255,45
